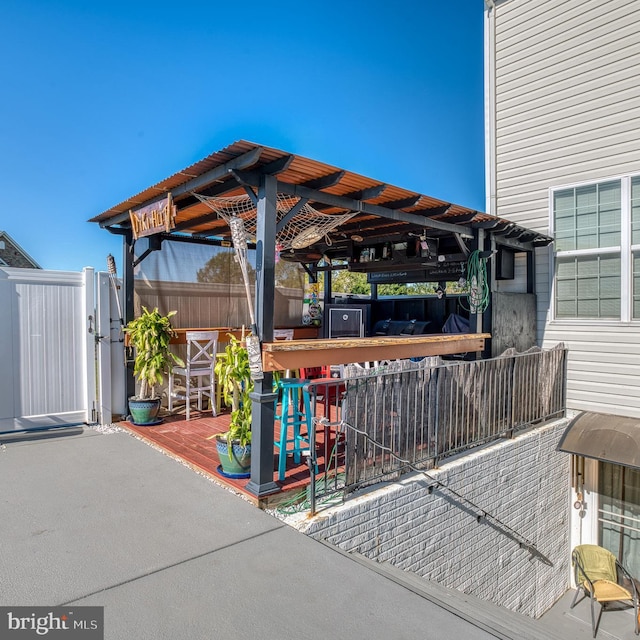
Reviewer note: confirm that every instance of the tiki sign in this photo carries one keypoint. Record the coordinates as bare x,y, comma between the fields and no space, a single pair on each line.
154,218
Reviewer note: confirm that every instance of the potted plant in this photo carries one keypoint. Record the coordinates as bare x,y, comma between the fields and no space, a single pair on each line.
234,377
150,334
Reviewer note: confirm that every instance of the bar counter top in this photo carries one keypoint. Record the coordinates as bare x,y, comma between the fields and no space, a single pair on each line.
296,354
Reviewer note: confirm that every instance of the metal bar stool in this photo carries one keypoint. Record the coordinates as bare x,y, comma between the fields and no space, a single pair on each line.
293,414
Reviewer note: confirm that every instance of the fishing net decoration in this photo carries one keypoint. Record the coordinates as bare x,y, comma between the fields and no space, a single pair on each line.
306,227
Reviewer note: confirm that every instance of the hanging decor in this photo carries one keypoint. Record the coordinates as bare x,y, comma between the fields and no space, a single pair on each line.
252,341
153,218
305,227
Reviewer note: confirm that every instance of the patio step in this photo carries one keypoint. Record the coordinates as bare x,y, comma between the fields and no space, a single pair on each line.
498,621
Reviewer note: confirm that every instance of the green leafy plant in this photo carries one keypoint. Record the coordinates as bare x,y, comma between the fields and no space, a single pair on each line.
234,377
150,334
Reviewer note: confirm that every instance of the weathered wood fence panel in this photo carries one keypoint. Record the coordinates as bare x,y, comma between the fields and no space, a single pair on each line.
419,413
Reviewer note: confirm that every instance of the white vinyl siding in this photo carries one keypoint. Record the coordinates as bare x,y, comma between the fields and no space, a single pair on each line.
567,112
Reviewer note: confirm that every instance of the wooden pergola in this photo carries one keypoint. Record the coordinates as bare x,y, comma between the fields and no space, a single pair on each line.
176,209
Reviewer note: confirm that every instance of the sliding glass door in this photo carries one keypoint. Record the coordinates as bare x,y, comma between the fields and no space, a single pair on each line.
619,514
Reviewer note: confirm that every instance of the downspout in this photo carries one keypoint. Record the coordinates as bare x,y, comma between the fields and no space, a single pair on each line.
490,107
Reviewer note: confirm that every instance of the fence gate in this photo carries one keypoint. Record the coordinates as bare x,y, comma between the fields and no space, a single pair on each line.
47,363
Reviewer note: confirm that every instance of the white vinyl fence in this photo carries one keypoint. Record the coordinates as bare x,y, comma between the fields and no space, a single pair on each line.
47,362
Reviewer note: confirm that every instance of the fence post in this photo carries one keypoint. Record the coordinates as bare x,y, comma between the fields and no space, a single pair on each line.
89,344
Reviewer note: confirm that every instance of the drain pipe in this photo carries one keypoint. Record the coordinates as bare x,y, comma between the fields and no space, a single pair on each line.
490,107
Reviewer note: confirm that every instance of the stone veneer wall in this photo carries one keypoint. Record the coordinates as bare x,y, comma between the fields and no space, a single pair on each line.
11,256
523,482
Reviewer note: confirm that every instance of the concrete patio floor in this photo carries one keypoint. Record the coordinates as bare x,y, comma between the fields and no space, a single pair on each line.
104,519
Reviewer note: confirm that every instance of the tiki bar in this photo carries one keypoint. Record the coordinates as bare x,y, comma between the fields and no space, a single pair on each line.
254,241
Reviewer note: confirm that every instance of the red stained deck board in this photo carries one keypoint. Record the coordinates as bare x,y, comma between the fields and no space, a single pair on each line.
189,441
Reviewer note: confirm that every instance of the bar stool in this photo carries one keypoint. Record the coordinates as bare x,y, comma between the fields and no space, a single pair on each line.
293,415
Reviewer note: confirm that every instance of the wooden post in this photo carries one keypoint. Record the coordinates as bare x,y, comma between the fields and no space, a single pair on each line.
263,397
128,311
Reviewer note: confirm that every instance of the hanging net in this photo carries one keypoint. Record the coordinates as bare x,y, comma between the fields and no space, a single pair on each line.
297,228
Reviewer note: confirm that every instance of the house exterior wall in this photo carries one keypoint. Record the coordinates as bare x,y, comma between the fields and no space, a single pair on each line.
523,482
11,255
563,96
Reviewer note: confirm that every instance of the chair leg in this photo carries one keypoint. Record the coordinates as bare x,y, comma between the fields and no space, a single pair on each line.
170,402
199,398
595,623
284,432
575,597
188,396
212,396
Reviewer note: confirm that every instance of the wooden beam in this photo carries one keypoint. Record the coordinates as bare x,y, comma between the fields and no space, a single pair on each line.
330,180
412,201
218,173
296,354
290,214
341,202
252,178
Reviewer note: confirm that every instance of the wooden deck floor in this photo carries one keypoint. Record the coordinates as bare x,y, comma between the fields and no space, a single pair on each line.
190,442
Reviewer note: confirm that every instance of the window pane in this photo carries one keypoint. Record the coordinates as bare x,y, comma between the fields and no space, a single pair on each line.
589,217
635,210
567,289
563,201
609,194
588,286
636,285
610,308
609,207
566,309
588,309
587,198
566,268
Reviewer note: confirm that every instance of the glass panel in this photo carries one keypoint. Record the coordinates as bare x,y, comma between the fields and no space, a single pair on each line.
588,217
563,201
587,197
588,309
609,205
588,287
609,194
610,266
636,285
635,210
566,309
587,266
566,267
610,308
566,289
619,513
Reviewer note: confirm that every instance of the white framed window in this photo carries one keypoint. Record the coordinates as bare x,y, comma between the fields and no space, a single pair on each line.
597,250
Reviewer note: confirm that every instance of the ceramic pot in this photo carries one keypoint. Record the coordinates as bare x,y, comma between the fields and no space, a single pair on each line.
144,412
238,465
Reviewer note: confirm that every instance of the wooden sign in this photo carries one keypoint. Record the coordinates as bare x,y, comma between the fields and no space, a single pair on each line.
153,218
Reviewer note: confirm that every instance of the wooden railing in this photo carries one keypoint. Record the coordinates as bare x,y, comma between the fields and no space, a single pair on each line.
381,419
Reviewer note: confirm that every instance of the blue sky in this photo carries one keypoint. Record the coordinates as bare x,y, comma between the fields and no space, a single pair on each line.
101,100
